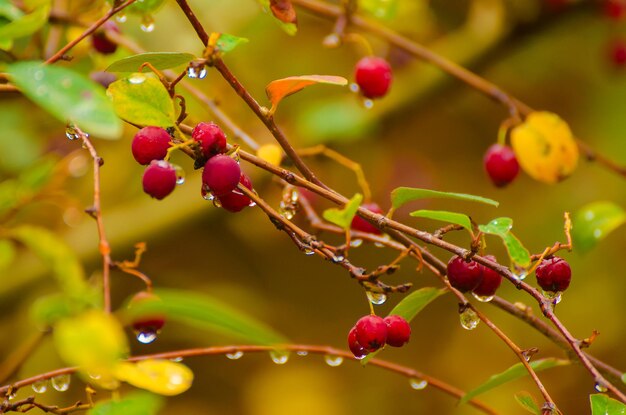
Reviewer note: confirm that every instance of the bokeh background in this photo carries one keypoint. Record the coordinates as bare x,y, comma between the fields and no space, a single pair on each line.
430,131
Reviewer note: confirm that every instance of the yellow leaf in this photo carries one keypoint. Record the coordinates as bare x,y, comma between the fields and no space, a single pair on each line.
271,153
155,375
545,147
281,88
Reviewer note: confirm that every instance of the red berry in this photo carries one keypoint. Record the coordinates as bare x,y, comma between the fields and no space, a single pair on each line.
462,275
615,9
371,332
236,201
553,274
148,326
355,347
100,42
360,224
211,138
501,164
398,331
490,282
221,175
618,52
373,76
150,143
159,179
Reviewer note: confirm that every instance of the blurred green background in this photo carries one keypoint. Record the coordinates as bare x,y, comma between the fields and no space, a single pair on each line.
430,131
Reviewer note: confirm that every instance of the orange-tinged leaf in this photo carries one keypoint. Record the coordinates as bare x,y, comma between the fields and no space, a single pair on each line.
156,375
545,147
284,11
281,88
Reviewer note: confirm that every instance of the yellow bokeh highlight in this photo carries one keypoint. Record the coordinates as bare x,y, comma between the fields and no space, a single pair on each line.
272,153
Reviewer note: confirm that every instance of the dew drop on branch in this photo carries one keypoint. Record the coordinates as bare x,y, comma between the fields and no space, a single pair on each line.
147,23
61,383
40,386
483,298
235,355
600,387
280,357
146,336
121,18
302,353
376,298
417,383
333,360
469,319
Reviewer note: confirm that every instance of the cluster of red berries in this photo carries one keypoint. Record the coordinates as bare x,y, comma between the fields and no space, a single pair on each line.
373,76
372,332
221,174
471,276
501,164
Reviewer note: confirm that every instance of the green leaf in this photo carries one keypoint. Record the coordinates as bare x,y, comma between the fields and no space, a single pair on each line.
527,402
603,405
227,43
442,215
38,175
410,306
403,195
49,309
57,255
160,60
516,371
26,24
593,222
382,9
142,99
135,403
143,7
68,96
7,253
502,227
343,217
206,313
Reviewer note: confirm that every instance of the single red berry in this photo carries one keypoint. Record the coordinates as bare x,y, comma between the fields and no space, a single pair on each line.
615,9
211,138
463,275
147,326
150,143
236,201
360,224
159,179
490,282
373,76
100,42
553,274
221,175
618,52
355,347
398,331
371,332
501,164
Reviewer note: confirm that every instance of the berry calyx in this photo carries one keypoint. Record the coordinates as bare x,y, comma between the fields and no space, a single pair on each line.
355,347
221,175
371,332
553,274
236,201
373,76
100,42
211,138
501,164
147,326
360,224
490,282
159,179
398,330
150,143
463,275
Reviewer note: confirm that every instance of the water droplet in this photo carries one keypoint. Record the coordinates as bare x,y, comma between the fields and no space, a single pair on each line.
202,73
483,298
354,87
417,383
294,196
136,78
355,243
600,387
71,133
252,204
526,355
146,336
379,245
216,202
308,251
61,383
286,210
38,75
95,376
280,357
368,104
331,41
147,23
177,359
234,356
302,353
40,386
521,275
12,395
121,17
180,174
469,319
376,298
338,258
554,296
597,233
332,360
192,73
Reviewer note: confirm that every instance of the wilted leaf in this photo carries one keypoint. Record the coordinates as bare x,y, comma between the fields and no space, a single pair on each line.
594,221
545,147
603,405
68,96
142,99
155,375
502,227
514,372
343,217
135,403
281,88
402,195
527,402
160,60
442,215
